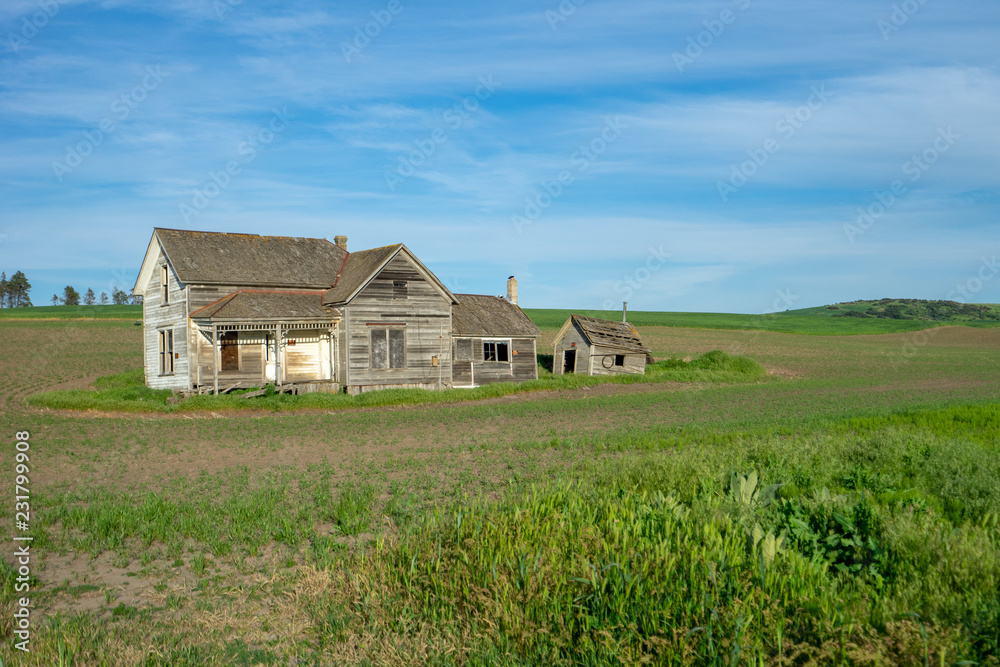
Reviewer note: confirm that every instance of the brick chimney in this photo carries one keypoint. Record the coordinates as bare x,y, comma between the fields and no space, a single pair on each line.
512,290
341,242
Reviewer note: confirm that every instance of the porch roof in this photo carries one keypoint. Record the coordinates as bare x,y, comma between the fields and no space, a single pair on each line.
269,305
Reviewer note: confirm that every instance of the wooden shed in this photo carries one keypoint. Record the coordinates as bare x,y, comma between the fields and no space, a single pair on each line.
493,341
591,346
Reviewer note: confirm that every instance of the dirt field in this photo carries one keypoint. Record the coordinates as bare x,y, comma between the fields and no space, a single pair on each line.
409,457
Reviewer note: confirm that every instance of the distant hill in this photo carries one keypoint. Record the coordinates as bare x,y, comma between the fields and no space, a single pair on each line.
908,309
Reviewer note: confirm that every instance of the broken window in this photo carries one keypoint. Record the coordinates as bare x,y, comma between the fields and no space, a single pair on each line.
388,348
495,350
619,360
166,351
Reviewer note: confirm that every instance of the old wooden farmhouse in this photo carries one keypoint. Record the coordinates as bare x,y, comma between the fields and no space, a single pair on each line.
590,346
224,311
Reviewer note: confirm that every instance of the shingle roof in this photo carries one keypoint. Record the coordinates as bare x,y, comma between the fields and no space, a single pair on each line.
250,259
481,315
269,305
357,269
619,335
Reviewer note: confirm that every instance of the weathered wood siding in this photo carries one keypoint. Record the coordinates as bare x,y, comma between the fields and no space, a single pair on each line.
471,369
419,309
635,362
157,317
572,335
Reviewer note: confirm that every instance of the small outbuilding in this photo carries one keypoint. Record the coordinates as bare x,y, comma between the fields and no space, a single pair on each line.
589,346
493,340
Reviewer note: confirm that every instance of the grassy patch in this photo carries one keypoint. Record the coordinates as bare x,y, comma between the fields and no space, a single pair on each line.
72,312
126,391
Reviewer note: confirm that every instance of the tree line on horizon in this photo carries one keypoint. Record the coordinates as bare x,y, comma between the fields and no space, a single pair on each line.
15,293
71,297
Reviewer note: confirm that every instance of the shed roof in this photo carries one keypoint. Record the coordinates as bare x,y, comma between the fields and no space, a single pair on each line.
620,335
268,305
251,259
481,315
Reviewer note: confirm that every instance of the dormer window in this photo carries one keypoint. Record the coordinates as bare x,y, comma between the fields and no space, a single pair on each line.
164,286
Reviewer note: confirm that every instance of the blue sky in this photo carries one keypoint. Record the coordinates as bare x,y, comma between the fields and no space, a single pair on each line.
737,156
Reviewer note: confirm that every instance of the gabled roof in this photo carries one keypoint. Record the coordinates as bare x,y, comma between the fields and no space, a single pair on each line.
213,258
481,315
360,267
619,335
268,305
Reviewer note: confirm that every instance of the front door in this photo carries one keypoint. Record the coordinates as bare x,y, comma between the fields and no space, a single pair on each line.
229,342
569,361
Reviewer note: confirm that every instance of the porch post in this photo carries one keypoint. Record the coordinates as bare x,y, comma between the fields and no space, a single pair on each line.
215,356
277,355
263,362
332,377
197,357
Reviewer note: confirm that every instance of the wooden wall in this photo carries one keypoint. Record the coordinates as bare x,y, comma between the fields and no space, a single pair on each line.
424,314
470,368
635,362
157,317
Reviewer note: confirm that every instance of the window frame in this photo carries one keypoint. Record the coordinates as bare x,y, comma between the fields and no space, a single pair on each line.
496,343
166,354
383,332
164,285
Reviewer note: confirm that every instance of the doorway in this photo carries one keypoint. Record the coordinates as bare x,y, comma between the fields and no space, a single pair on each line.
569,361
230,352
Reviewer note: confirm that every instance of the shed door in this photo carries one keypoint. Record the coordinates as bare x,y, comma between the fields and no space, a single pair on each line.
569,361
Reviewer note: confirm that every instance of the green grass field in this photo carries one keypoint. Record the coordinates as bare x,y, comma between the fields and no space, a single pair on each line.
73,312
819,320
844,509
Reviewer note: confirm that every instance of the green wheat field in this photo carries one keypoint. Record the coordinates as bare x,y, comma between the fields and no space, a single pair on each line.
801,488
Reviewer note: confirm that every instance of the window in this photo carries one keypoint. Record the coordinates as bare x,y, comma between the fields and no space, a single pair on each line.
167,352
388,348
619,360
164,285
398,289
495,350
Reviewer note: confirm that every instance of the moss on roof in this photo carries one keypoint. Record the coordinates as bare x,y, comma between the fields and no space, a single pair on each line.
250,259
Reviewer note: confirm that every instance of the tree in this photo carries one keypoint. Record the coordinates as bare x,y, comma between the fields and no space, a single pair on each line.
89,298
119,297
3,289
104,298
17,291
55,299
70,297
